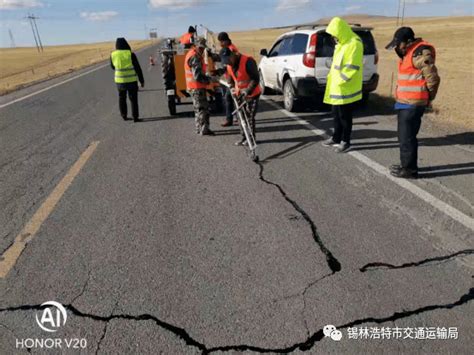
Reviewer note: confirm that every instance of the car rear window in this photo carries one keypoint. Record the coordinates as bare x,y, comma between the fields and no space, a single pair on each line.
325,45
298,44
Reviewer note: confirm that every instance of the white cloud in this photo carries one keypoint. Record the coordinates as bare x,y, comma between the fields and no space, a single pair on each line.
174,4
99,16
19,4
291,4
353,8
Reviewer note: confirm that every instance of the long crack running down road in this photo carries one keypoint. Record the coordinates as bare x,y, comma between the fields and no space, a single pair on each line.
162,241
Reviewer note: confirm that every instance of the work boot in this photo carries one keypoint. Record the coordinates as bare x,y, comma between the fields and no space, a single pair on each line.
242,142
227,123
405,173
342,147
329,142
207,132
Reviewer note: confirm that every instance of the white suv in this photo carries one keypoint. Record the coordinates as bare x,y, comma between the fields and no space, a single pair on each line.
299,62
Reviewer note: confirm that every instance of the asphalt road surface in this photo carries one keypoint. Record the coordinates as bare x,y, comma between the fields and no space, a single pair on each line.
158,240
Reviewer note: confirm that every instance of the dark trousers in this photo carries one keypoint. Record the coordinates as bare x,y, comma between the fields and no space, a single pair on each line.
132,90
229,105
342,122
251,111
409,122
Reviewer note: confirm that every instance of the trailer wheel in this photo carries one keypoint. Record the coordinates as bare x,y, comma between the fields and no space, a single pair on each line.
172,104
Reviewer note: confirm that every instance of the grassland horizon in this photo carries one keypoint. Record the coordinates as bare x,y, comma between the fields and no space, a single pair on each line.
24,66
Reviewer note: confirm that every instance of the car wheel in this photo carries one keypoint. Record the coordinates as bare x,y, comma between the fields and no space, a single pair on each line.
289,99
265,90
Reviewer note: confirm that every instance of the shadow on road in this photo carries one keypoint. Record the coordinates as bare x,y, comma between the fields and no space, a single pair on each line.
446,170
178,116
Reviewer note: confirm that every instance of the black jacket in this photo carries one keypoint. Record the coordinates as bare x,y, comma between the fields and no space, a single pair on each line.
122,44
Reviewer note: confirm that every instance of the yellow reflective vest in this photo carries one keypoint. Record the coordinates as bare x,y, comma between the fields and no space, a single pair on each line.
124,71
344,82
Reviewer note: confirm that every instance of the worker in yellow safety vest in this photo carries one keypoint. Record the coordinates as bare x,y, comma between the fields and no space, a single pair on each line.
127,74
344,82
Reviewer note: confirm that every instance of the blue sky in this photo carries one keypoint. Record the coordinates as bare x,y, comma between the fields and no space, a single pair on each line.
79,21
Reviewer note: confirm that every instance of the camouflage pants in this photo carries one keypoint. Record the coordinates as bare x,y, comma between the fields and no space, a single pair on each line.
201,109
251,111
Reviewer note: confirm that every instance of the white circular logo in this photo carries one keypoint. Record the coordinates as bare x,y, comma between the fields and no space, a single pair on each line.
332,332
328,329
52,317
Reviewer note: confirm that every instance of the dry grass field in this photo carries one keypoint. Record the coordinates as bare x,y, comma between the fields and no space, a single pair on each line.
23,66
453,38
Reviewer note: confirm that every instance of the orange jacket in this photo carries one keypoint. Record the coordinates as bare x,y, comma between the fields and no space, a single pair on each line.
411,84
191,83
233,48
186,38
242,79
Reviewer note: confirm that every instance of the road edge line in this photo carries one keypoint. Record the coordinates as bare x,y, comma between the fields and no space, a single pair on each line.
442,206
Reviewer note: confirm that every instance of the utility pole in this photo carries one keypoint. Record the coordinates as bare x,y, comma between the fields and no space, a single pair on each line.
37,32
403,11
36,35
12,40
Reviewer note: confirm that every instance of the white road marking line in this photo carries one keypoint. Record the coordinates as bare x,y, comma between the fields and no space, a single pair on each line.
443,207
50,87
58,84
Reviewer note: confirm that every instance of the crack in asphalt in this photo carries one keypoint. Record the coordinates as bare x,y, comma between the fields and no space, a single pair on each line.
83,287
104,332
332,262
303,346
380,265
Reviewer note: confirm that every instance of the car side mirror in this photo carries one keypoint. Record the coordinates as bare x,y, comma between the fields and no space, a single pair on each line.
263,52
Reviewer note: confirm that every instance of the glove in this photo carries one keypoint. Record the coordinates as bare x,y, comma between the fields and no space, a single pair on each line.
244,94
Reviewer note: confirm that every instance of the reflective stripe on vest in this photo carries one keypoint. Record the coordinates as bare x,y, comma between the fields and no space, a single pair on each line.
124,70
342,97
242,80
411,85
191,83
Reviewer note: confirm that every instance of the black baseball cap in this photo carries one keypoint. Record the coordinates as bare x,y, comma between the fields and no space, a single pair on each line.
225,54
191,29
223,36
403,34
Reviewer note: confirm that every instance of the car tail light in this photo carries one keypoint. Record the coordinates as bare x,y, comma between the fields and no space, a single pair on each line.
309,58
376,58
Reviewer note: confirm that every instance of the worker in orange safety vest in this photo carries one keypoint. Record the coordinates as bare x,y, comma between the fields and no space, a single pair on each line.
417,85
188,38
243,76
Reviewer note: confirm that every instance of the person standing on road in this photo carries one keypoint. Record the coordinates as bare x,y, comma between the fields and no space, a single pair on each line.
196,83
417,86
242,74
344,82
226,42
188,38
127,73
